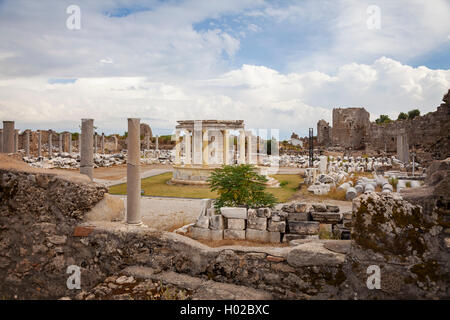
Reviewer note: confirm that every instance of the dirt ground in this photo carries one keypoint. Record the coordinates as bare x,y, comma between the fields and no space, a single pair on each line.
119,172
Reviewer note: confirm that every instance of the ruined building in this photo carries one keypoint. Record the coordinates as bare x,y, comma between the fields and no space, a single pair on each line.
352,129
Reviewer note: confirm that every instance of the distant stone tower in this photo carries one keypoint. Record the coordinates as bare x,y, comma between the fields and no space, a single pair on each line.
323,133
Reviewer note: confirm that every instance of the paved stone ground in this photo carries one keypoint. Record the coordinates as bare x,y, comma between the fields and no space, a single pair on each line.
168,214
144,174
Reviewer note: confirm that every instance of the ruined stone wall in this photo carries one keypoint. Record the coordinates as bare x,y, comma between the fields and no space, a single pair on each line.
430,132
323,133
350,126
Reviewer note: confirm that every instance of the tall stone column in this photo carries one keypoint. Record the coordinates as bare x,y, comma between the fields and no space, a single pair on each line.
8,136
95,142
61,150
102,142
187,147
50,145
177,147
226,147
1,140
70,143
197,142
27,143
87,152
157,143
250,154
39,151
147,142
241,146
205,149
134,172
16,140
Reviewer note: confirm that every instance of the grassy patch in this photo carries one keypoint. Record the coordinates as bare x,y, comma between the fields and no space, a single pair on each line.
157,186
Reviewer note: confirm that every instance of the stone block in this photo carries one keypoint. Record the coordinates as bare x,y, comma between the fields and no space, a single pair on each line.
236,224
200,233
216,235
216,222
300,207
251,213
347,215
303,227
210,211
331,208
276,226
299,216
351,194
234,213
257,235
229,234
274,237
288,237
319,207
257,223
263,213
288,208
327,217
202,222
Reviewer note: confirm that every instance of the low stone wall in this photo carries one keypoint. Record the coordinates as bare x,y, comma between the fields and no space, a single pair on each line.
293,222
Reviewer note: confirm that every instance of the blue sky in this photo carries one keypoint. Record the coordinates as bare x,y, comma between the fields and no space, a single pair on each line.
273,64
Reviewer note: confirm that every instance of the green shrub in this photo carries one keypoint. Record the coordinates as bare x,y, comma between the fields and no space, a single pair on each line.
283,183
240,185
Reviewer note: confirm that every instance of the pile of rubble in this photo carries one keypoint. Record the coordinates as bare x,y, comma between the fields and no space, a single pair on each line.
66,160
292,222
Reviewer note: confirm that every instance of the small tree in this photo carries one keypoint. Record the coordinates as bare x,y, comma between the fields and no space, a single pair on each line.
383,119
402,116
240,185
413,113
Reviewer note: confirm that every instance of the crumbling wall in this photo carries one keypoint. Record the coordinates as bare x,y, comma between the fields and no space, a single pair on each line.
350,126
323,133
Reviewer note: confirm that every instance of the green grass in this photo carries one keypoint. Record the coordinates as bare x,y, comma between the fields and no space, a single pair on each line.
157,186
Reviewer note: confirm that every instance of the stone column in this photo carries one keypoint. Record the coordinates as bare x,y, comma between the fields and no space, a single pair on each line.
205,149
226,147
79,143
403,148
27,143
61,150
147,142
8,136
197,142
157,143
134,172
187,147
95,142
177,147
1,140
50,145
241,146
86,153
70,143
102,143
39,152
16,140
250,147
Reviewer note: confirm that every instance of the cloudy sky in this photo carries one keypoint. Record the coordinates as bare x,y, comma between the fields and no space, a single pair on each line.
274,64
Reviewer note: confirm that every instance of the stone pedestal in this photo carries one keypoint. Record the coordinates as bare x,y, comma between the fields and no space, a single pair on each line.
87,155
134,172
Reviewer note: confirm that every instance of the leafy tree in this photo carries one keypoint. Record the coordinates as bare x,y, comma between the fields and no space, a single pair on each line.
402,116
413,113
383,119
240,185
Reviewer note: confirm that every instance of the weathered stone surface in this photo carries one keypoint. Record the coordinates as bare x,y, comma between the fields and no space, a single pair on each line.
257,235
216,235
216,222
234,213
303,227
332,208
257,223
200,233
251,213
275,259
325,227
299,216
319,207
202,222
274,237
313,254
300,207
234,234
288,237
236,224
327,217
263,212
276,226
